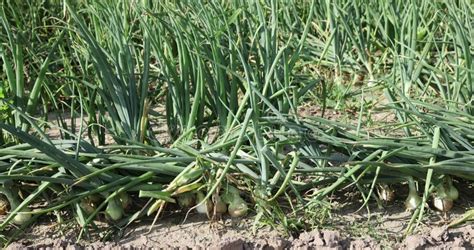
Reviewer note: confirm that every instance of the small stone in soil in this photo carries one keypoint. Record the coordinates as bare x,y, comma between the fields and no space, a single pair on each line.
415,242
331,238
458,242
278,243
230,244
439,234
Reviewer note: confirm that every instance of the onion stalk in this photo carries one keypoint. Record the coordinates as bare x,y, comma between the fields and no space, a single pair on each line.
413,200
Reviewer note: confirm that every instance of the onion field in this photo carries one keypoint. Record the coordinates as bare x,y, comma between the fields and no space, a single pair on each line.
121,111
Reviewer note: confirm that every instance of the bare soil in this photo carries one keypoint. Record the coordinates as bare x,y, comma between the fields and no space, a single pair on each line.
199,233
348,229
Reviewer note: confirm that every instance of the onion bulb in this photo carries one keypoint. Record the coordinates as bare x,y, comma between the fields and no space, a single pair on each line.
237,206
203,207
3,205
441,200
125,200
220,206
88,205
413,200
386,193
186,200
442,204
451,190
114,210
22,216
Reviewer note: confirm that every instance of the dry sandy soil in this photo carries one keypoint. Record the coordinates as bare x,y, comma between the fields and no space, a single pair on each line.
347,230
198,233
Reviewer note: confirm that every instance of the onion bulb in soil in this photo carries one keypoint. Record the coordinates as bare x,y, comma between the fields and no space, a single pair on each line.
442,204
386,193
445,195
451,190
220,206
203,207
413,200
88,205
125,200
114,210
3,205
22,217
186,200
237,206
